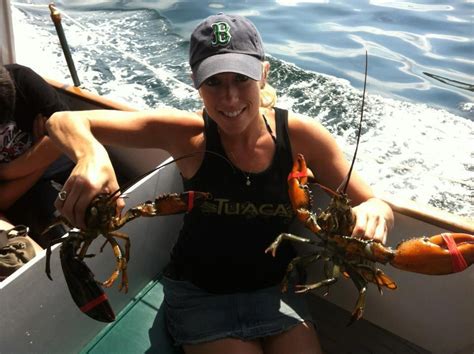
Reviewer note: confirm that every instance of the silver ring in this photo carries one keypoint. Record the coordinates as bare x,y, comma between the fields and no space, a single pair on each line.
62,196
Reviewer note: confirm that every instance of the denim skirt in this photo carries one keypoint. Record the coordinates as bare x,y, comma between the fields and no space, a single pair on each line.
195,316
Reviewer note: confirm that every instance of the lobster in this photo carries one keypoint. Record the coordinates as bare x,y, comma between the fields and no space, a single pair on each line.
356,258
101,219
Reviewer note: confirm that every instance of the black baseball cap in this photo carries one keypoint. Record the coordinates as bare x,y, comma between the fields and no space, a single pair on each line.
225,43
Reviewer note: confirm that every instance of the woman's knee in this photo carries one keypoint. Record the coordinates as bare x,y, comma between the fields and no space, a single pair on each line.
227,345
300,339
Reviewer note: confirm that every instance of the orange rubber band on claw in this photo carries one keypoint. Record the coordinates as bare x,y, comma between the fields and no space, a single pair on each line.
297,174
459,263
91,304
190,200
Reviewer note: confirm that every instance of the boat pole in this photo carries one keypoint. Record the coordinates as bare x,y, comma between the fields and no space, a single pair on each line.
56,17
7,43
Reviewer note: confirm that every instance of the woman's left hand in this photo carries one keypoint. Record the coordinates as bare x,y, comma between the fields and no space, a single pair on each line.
374,218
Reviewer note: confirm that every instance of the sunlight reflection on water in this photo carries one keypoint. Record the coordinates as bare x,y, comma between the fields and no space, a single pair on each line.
410,149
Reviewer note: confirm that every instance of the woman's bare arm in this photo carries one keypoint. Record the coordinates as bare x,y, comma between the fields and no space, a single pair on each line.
81,134
168,129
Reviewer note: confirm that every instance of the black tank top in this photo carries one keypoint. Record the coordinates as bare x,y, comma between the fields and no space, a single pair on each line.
221,245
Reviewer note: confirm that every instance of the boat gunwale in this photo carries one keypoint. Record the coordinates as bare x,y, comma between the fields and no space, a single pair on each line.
424,213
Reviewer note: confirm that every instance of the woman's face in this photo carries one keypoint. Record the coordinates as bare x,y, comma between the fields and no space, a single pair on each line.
232,100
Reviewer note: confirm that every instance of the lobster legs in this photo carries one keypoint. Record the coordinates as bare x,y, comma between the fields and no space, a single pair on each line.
166,204
121,261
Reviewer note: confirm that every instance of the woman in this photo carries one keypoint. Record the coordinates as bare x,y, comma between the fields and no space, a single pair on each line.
221,289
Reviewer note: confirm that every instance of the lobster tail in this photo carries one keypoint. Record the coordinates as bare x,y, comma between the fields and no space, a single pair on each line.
85,291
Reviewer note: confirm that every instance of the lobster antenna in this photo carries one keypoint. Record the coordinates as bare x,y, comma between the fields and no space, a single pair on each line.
135,179
345,183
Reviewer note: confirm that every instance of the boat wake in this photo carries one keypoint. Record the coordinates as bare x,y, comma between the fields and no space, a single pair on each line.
410,150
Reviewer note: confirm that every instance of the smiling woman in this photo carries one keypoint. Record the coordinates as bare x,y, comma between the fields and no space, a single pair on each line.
240,139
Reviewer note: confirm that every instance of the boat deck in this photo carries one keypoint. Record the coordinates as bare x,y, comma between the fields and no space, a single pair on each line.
140,328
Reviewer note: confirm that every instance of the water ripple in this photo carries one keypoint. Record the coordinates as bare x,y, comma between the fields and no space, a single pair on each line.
410,6
420,72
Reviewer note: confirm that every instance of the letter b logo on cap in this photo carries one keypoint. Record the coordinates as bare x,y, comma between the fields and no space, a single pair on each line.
221,32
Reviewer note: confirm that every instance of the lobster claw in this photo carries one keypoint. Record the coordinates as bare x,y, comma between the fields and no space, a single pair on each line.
436,255
85,291
166,204
300,196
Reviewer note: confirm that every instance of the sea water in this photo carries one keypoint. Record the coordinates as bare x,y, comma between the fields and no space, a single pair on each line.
418,130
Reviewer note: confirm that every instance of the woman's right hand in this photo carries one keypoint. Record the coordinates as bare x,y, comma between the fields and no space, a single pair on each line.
91,176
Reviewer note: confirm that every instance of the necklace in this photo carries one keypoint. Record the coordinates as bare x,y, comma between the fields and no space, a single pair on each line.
248,181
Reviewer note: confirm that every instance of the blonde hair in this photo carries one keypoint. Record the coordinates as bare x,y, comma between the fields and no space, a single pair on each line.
268,96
